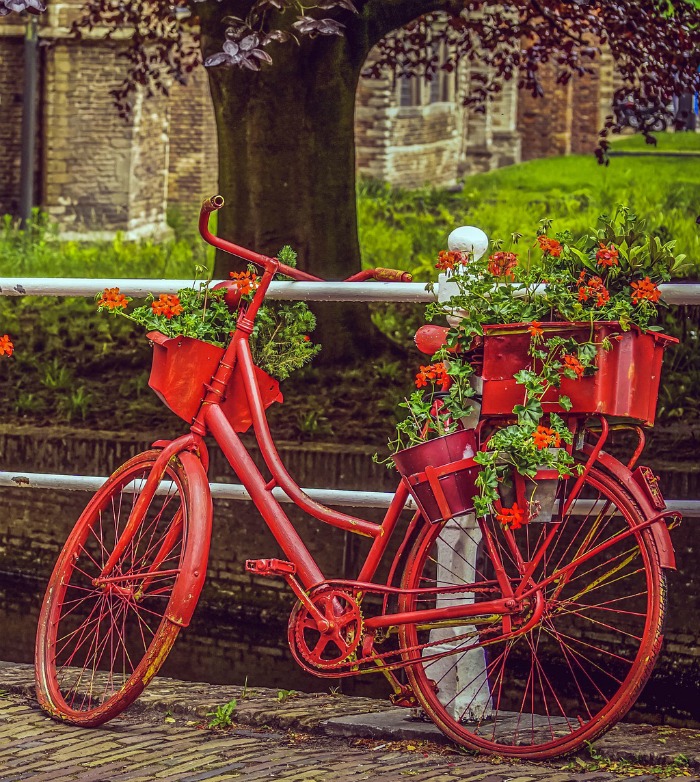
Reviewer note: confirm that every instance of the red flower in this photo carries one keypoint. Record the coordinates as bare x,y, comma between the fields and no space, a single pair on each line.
511,518
549,246
535,329
607,256
434,373
501,264
571,362
545,437
6,346
112,299
246,282
167,305
645,290
448,259
307,338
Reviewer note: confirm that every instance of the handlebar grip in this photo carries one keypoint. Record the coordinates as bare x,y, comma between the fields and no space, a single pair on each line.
391,275
212,204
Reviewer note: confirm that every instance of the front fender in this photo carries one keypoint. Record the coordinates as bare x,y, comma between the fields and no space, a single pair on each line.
649,500
194,563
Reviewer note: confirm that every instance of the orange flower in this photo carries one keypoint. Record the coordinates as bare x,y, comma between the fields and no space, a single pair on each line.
167,305
511,518
607,256
571,362
434,373
545,437
645,290
112,299
6,346
595,289
549,246
501,264
246,282
448,259
536,329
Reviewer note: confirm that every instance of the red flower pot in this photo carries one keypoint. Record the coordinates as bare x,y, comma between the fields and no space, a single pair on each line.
440,474
625,385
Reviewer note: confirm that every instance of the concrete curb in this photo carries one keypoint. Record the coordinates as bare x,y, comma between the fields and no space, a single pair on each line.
343,716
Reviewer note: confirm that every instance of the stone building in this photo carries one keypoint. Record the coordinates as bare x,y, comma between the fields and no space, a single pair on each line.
97,174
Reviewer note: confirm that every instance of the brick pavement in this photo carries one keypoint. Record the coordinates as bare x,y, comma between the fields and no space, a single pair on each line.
143,743
145,748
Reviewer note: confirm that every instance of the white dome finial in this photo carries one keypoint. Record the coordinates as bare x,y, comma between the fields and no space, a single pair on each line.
468,239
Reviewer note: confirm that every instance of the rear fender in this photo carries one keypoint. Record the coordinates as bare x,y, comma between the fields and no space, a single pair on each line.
647,495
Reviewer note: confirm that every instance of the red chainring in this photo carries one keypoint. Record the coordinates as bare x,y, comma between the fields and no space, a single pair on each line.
326,647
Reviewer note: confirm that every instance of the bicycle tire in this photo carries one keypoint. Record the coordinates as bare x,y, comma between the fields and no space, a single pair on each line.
579,669
99,645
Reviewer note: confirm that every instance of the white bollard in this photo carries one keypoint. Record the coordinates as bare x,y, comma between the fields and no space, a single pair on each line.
461,677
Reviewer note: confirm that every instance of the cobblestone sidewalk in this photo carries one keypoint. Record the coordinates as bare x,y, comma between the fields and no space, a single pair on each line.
324,715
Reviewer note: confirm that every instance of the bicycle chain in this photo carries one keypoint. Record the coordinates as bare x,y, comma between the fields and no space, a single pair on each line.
323,669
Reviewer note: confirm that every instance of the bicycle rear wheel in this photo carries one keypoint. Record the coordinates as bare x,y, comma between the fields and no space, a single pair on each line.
541,687
101,640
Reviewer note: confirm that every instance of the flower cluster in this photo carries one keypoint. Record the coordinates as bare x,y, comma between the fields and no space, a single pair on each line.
6,346
167,305
511,518
502,264
246,282
592,289
112,299
607,255
434,373
645,290
448,260
551,247
546,437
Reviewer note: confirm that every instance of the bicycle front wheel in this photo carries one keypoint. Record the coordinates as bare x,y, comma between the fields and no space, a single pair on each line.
102,638
536,685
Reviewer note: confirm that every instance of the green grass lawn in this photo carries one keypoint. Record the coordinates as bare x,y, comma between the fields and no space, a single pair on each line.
665,142
407,228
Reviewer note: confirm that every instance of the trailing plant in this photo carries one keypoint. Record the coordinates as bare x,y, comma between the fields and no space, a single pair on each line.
609,275
280,341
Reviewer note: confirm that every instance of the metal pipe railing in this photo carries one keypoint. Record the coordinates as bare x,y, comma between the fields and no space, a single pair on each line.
673,292
234,491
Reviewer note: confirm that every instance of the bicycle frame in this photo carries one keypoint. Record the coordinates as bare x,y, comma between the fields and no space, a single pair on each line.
210,419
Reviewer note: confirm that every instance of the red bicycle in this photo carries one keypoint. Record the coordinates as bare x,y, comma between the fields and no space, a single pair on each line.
524,643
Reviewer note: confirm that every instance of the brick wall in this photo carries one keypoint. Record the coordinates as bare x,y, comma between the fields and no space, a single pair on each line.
11,88
545,123
102,174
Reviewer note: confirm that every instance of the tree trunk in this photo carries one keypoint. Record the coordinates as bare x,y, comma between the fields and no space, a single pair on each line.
287,168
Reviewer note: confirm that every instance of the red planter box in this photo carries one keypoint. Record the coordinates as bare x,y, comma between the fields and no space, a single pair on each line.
625,385
183,366
438,475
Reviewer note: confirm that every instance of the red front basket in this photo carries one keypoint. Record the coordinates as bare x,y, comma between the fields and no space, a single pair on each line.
183,367
625,385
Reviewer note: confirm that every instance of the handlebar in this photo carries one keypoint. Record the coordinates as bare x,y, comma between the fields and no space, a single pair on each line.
273,265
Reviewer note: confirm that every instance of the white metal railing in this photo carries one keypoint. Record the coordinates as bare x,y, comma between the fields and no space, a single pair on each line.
234,491
673,293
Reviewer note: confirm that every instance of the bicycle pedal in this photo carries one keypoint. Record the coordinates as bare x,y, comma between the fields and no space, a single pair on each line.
270,567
